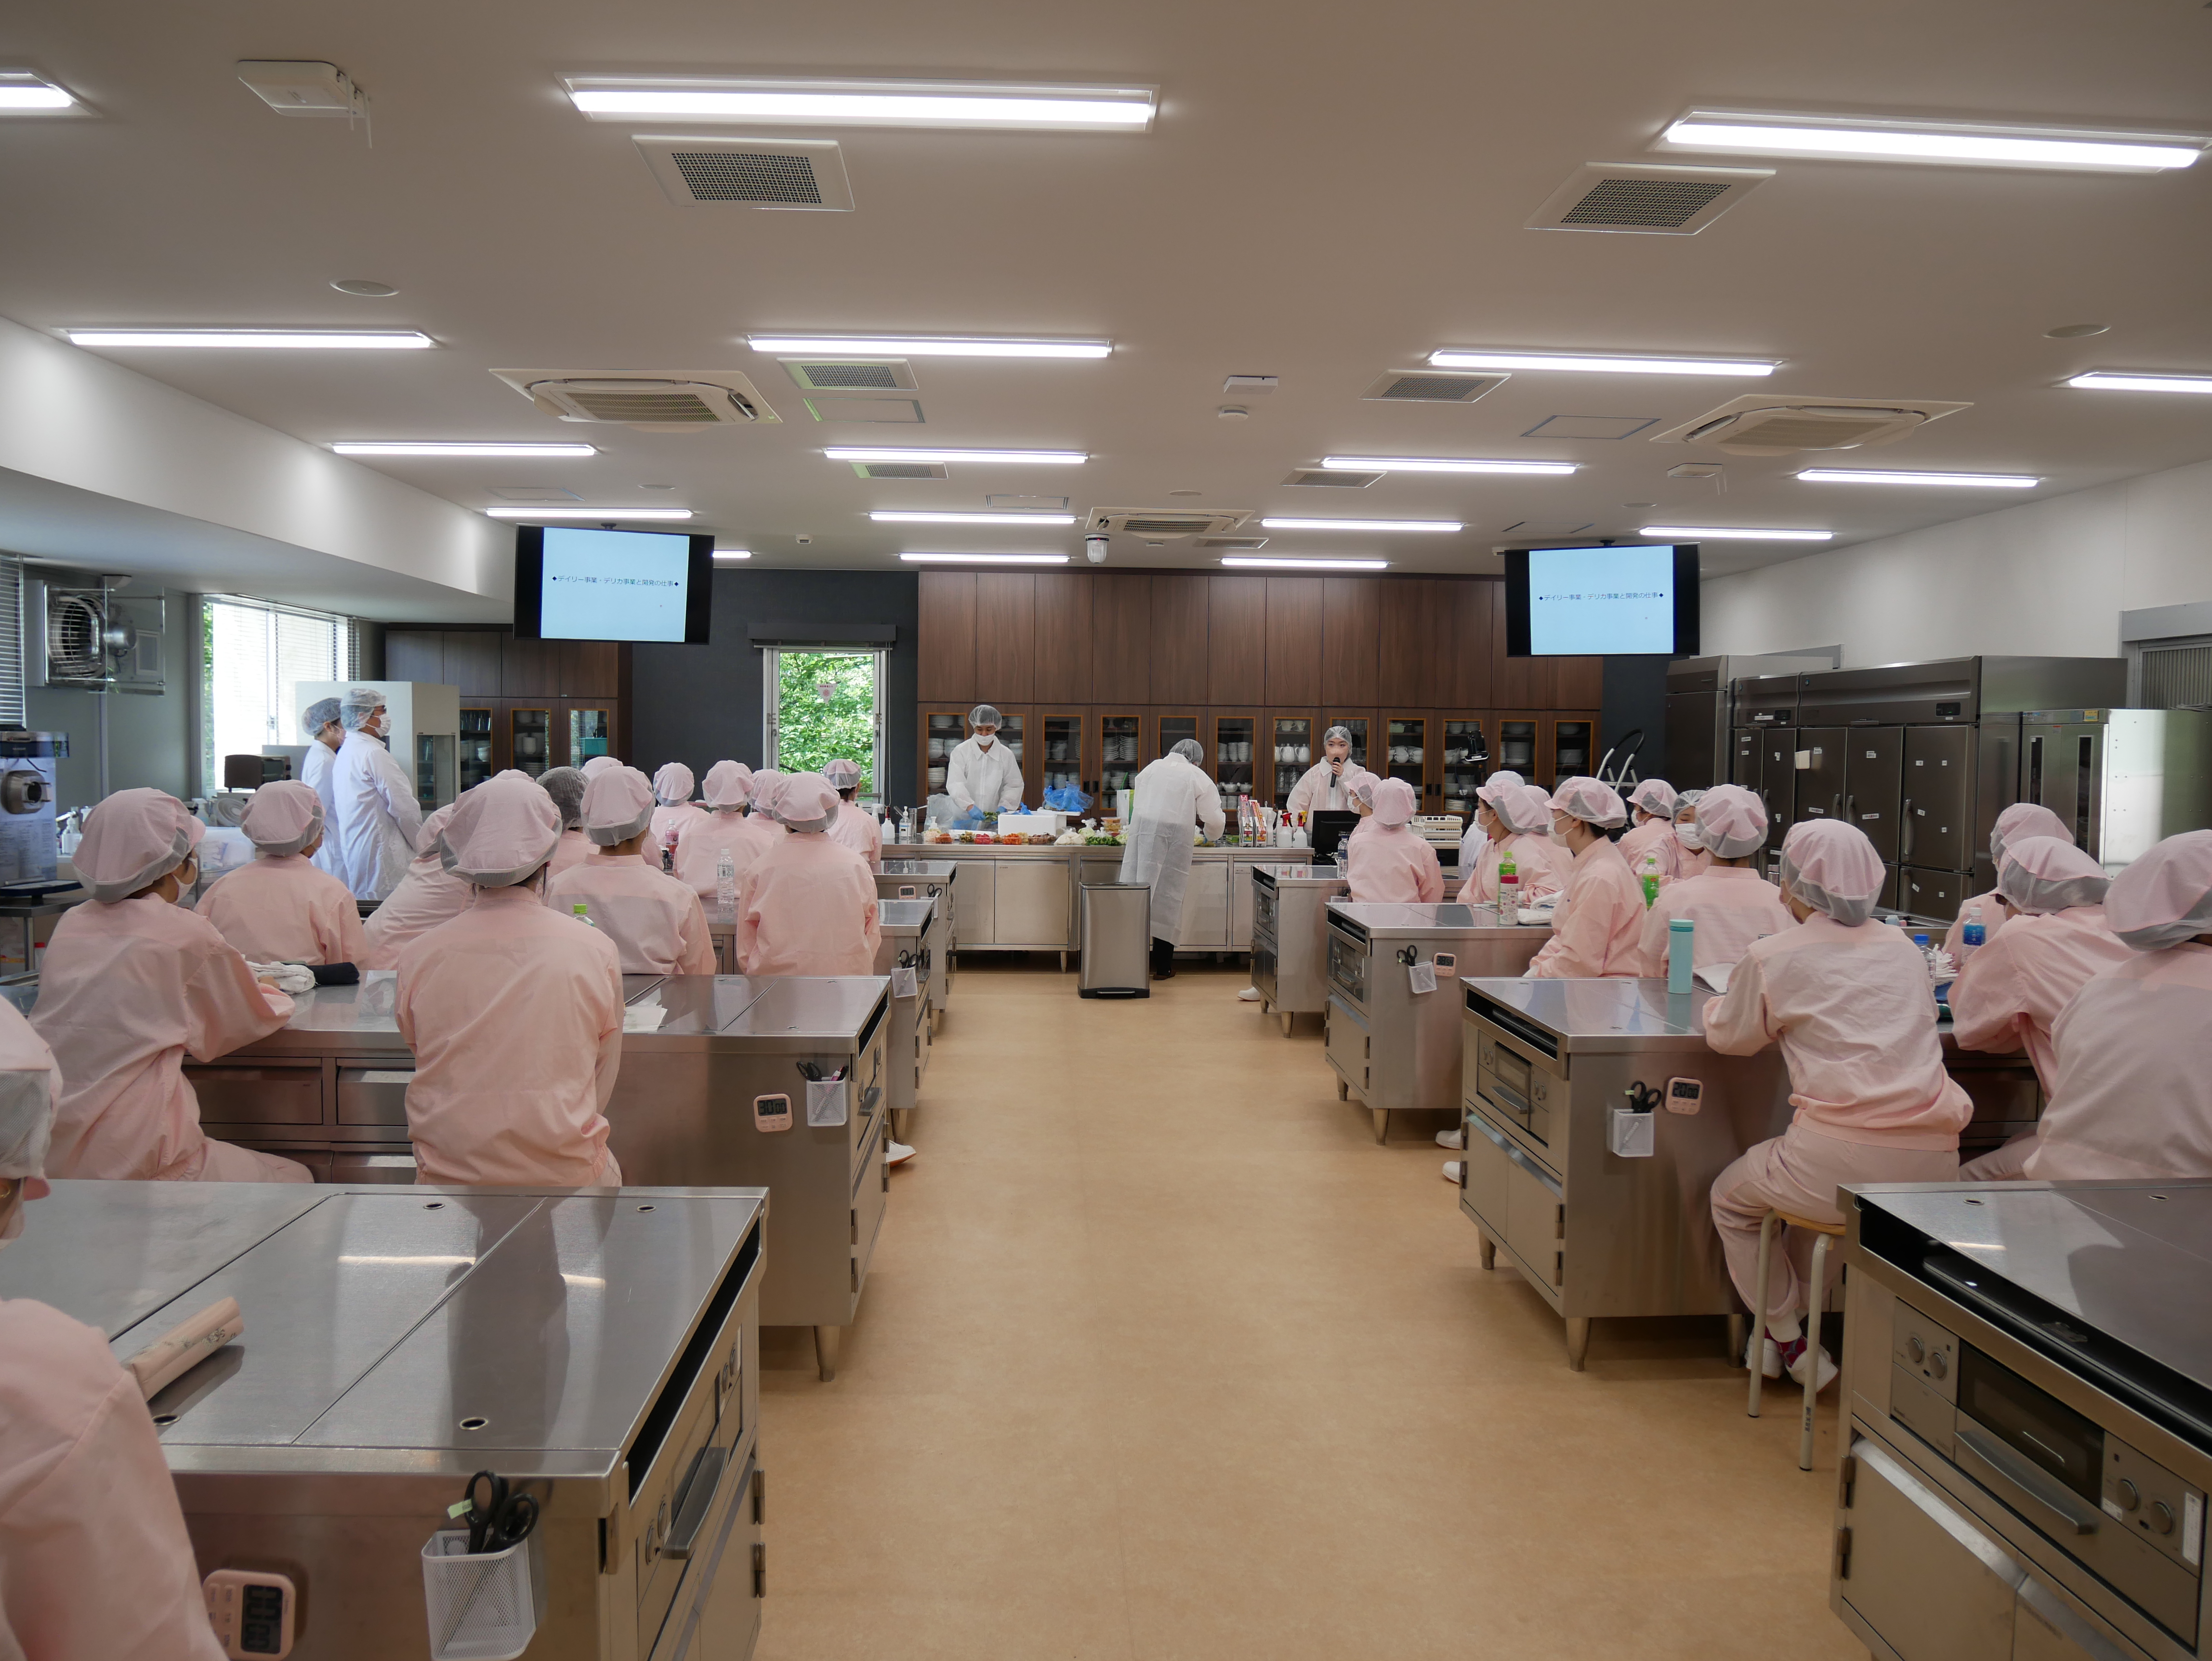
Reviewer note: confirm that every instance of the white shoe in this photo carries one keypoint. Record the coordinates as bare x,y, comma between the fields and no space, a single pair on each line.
1770,1358
1452,1138
1451,1172
896,1153
1249,995
1828,1369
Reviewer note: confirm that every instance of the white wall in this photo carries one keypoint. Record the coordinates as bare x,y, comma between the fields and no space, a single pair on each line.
2047,578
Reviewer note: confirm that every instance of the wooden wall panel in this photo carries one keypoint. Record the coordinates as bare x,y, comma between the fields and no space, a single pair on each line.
1516,683
1464,637
526,669
1235,639
944,668
589,668
1351,636
1294,639
1120,638
1411,672
471,661
1006,637
1578,683
1178,644
409,656
1064,602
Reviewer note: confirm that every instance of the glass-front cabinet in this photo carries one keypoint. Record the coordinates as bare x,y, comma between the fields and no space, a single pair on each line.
475,757
591,732
1234,766
1119,740
1408,757
1296,748
1010,734
1572,751
531,740
1063,753
1358,726
1465,756
1174,729
942,730
1516,747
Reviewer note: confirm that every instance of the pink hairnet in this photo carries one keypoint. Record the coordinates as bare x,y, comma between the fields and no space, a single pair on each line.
599,764
806,801
133,838
728,784
426,839
2025,819
843,774
1731,821
283,817
2165,896
1832,867
672,783
1593,803
1654,796
1361,788
1526,809
1394,802
1493,788
617,806
501,831
2042,873
766,785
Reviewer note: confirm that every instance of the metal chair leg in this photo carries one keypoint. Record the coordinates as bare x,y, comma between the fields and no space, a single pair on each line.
1813,1300
1756,1351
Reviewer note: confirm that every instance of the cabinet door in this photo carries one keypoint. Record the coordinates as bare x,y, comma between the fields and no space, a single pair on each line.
1170,728
1063,638
1122,638
414,655
1744,763
1294,746
1118,746
1235,758
1937,810
590,670
1464,760
1294,639
1406,754
1919,1570
1521,746
472,662
1777,778
526,669
477,756
586,729
1820,780
1364,730
529,735
1006,636
1874,784
1574,747
1351,639
942,730
1206,906
1179,640
1067,762
1236,640
1031,903
976,903
945,648
1014,729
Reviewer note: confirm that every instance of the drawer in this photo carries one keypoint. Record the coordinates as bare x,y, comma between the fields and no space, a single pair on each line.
258,1095
345,1167
1489,1172
1535,1218
370,1095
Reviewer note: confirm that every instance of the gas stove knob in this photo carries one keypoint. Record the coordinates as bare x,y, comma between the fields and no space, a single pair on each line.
2130,1496
1916,1349
1937,1364
2161,1517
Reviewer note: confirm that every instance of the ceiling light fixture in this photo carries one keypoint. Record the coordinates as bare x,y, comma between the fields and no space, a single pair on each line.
1038,458
1732,533
23,93
589,513
1348,525
1443,464
1598,363
461,447
356,340
1262,562
926,346
1857,139
863,103
2117,381
722,555
895,516
1876,476
985,559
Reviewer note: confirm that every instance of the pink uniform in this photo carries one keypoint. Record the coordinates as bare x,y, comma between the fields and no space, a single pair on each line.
426,896
127,991
283,909
1732,906
1391,865
699,855
2010,992
861,831
1537,870
1657,838
1595,922
572,850
670,822
807,907
515,1013
1690,861
653,920
94,1561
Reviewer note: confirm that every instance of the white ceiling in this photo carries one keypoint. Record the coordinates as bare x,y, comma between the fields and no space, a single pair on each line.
1328,194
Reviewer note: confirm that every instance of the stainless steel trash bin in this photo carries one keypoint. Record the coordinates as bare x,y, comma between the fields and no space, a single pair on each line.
1117,941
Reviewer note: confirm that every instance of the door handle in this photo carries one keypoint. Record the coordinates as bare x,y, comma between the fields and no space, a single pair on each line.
1904,834
698,1498
2078,1515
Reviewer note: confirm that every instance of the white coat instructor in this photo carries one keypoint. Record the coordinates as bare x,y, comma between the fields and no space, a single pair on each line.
1325,786
1173,795
378,817
983,776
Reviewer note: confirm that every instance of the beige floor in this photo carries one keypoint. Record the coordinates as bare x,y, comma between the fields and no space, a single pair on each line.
1162,1357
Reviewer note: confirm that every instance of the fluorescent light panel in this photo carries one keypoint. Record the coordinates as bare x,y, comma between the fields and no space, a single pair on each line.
1362,524
1262,562
985,559
2119,381
864,103
1876,476
354,340
724,554
895,516
1026,458
1444,465
460,448
23,93
1595,363
1731,533
1858,139
926,346
589,513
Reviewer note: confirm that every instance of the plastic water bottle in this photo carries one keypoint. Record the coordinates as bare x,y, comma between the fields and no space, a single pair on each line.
583,913
1509,887
1927,954
1648,873
1681,959
726,887
1972,936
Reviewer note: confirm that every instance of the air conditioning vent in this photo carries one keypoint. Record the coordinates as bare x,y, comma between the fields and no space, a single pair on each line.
651,402
1633,196
1338,478
1166,524
900,469
1761,425
1426,387
851,375
805,173
1234,544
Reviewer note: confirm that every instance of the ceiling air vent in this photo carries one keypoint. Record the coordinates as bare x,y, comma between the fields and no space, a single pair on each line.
1166,524
900,469
851,375
803,174
1764,425
1639,197
1428,387
1341,477
1234,544
650,401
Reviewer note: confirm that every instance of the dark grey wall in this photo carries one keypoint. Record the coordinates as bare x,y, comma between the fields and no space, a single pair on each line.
1636,696
698,704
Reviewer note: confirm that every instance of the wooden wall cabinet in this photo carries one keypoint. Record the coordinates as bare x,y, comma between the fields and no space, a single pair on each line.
944,654
561,690
1351,639
1064,638
1121,637
1180,663
1006,637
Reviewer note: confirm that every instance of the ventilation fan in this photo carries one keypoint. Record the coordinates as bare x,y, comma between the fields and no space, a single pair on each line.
851,375
650,401
808,175
1431,387
900,469
1166,524
1342,478
96,640
1639,197
1763,425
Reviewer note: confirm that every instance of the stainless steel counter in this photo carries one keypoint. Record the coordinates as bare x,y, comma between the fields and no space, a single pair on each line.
911,939
1290,936
600,1349
919,878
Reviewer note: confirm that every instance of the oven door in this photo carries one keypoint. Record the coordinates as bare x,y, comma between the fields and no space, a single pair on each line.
1347,967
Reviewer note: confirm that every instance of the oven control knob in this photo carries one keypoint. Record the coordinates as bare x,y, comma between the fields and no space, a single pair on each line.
2161,1517
2130,1497
1916,1349
1938,1364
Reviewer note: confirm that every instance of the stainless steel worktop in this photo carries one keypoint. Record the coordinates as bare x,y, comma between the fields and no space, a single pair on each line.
1609,1016
913,937
1290,936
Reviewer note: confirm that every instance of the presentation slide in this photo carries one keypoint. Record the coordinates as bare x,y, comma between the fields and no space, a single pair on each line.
613,585
1594,600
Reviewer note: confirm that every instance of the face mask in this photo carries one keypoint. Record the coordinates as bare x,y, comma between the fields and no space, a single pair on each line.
1687,836
1559,836
984,739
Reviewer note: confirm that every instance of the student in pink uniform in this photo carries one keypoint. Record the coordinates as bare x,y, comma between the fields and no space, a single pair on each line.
1651,807
699,853
94,1560
2133,1099
2017,823
653,920
855,827
1731,905
671,790
132,981
1390,864
1690,858
761,829
514,1011
280,908
565,785
807,907
1850,1004
1514,818
1474,841
426,896
1595,924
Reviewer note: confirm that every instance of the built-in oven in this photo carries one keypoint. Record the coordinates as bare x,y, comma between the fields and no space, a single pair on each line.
1347,959
1511,1074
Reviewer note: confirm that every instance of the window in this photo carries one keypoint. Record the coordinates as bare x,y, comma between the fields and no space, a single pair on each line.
822,704
254,654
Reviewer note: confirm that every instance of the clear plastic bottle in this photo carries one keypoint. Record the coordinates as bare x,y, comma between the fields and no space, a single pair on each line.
1972,936
726,887
1648,873
1509,887
1927,954
583,913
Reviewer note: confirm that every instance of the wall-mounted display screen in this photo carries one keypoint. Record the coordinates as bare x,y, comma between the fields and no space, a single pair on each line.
1639,599
573,583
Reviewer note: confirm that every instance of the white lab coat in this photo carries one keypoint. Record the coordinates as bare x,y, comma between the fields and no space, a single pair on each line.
988,779
1172,797
318,772
1319,791
377,818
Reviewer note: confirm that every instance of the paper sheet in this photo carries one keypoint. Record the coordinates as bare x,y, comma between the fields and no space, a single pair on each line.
643,1018
1714,977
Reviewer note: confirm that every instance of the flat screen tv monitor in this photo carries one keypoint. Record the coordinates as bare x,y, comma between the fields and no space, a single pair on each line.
1638,597
574,583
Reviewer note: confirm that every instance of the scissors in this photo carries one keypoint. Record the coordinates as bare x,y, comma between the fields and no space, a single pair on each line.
496,1519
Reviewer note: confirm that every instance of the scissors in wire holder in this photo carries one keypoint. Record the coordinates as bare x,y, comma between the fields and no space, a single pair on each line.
497,1518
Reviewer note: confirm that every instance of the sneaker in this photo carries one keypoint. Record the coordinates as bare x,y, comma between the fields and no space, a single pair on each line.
1452,1138
896,1153
1796,1366
1770,1358
1249,995
1451,1172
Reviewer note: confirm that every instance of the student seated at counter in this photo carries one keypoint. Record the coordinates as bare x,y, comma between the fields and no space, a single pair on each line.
1849,1001
807,906
1731,905
566,786
426,896
723,827
673,813
855,828
653,920
1390,864
1597,920
280,908
1651,810
595,766
1691,858
1516,818
514,1011
2017,823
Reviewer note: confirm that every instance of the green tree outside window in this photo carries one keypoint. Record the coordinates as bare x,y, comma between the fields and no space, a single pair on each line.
825,708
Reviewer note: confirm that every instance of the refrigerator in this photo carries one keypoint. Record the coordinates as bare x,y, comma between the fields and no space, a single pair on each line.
2120,779
1702,715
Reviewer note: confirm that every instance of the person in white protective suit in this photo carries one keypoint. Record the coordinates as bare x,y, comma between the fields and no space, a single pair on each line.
1173,795
378,817
318,772
983,776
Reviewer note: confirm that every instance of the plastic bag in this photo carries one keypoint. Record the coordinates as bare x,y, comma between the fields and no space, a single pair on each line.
1067,799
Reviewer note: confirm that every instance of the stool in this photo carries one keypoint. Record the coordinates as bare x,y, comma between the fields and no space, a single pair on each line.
1755,1352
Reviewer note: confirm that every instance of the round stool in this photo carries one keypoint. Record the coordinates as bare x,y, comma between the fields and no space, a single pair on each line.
1755,1352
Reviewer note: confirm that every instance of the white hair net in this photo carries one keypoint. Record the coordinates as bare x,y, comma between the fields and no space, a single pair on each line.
1394,802
1832,867
359,704
728,784
673,784
1585,799
1189,751
501,831
1492,790
843,774
1362,790
2042,873
1731,822
2165,896
134,838
807,803
617,806
565,785
598,764
984,715
1526,809
768,784
1335,734
283,817
318,715
1655,796
2023,819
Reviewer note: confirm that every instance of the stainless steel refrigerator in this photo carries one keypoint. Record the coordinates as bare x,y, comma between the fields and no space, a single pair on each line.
2120,779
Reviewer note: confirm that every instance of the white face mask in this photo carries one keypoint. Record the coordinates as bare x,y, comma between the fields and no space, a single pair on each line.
1559,836
1687,836
983,740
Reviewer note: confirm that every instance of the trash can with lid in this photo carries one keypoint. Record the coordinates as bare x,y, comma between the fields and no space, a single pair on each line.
1117,941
